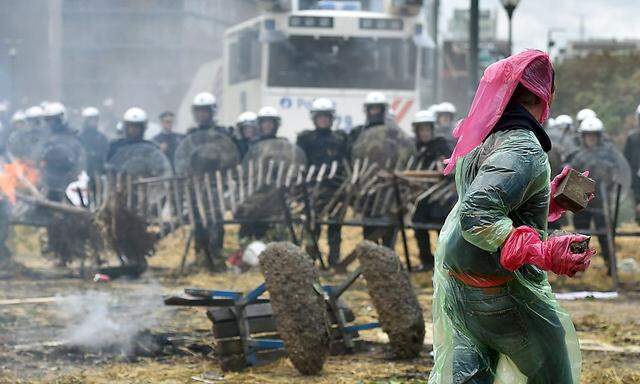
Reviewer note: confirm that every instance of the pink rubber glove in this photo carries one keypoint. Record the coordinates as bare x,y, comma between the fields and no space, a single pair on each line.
555,210
523,246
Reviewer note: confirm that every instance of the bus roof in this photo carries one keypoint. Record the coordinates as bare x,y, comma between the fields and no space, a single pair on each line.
338,14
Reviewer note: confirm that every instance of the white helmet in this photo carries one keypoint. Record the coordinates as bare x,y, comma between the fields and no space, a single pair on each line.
584,114
135,115
90,112
54,109
591,125
322,104
268,112
18,116
375,98
638,110
251,254
424,117
34,112
563,120
204,99
246,118
446,107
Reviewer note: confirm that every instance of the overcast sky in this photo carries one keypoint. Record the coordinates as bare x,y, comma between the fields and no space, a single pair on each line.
532,19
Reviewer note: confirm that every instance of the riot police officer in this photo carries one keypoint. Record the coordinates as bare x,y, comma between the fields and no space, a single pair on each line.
445,119
606,167
204,109
247,128
168,140
95,143
33,116
208,243
134,124
376,109
632,153
584,114
431,152
322,146
55,118
269,121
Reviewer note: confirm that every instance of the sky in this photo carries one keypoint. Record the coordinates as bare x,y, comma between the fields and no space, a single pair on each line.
533,18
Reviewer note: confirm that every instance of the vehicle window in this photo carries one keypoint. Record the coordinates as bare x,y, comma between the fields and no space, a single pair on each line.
245,57
336,62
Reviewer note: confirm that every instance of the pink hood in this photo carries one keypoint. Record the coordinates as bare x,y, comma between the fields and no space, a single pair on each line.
532,68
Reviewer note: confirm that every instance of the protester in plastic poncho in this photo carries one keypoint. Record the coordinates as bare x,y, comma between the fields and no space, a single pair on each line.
495,318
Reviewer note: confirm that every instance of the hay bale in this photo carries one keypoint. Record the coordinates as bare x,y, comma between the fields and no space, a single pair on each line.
395,301
298,305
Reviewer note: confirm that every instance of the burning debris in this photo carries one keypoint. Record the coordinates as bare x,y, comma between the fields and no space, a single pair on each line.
14,176
98,320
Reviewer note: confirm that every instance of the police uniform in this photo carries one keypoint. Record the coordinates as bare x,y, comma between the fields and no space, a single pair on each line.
170,141
380,235
210,243
324,146
428,212
96,146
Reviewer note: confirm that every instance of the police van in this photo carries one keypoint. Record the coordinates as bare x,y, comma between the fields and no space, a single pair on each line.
298,50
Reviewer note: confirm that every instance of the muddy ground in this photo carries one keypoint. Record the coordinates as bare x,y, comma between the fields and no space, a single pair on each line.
173,345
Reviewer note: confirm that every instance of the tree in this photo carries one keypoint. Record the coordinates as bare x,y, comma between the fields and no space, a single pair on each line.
607,83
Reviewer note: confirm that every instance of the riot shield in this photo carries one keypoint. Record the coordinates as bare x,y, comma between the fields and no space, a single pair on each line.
605,164
265,163
389,148
205,151
141,160
60,158
23,143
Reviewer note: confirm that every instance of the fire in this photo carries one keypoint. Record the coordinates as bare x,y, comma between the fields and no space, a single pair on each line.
15,175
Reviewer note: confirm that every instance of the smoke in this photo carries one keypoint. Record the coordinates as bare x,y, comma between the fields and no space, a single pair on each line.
99,320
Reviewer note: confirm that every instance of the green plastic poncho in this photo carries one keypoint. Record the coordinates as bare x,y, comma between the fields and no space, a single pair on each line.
502,184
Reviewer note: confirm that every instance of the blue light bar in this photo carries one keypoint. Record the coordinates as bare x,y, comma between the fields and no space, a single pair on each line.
340,5
310,22
382,24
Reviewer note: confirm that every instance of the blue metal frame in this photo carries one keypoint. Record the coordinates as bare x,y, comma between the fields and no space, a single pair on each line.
256,345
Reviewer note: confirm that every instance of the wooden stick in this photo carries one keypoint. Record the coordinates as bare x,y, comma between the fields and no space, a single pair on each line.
321,173
97,192
334,169
175,186
240,172
190,211
310,173
260,173
223,208
356,168
199,201
250,179
212,207
52,204
269,172
232,191
279,174
129,179
169,201
30,300
288,179
300,175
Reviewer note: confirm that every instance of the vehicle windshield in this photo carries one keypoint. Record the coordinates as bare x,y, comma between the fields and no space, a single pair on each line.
338,62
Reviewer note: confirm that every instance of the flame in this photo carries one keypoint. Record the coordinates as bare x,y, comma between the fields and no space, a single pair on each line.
15,175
